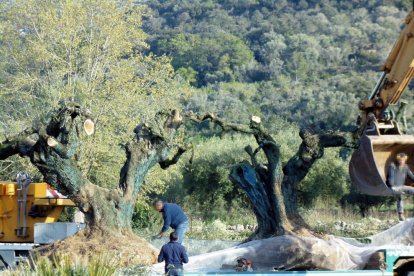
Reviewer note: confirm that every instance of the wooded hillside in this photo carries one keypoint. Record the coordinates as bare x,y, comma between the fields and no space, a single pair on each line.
293,63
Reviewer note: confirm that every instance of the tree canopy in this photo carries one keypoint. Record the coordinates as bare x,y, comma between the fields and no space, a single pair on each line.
90,52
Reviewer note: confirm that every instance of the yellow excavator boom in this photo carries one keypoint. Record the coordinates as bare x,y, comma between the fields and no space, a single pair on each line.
398,71
400,64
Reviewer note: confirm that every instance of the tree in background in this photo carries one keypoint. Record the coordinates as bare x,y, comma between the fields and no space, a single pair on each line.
311,60
218,57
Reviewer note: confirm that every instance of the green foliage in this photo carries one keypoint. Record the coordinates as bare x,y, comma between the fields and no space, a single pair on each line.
213,58
144,215
312,61
327,181
87,51
188,74
98,265
67,214
365,203
206,180
301,39
10,167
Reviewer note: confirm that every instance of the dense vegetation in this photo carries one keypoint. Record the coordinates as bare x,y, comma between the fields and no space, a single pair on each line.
298,64
309,60
293,63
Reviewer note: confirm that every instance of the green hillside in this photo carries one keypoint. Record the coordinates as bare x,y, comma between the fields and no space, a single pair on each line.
306,61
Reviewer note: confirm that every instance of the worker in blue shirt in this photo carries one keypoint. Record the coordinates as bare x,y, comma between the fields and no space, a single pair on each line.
174,217
174,255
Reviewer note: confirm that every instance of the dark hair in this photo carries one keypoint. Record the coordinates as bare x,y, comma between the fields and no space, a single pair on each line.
158,201
173,236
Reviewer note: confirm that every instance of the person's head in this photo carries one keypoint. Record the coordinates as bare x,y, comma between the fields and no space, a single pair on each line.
173,237
158,205
401,158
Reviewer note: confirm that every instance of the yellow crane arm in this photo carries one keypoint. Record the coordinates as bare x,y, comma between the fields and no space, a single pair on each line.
398,71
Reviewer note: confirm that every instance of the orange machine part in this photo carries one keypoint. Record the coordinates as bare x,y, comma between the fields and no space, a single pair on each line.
36,198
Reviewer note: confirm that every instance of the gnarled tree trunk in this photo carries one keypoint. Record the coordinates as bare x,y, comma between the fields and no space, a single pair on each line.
52,148
272,188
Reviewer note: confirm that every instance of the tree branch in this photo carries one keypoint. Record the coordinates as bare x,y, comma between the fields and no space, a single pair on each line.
150,146
19,144
165,164
253,154
225,126
310,150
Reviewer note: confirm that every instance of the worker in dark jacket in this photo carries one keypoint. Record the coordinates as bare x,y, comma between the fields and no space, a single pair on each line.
397,174
174,255
174,217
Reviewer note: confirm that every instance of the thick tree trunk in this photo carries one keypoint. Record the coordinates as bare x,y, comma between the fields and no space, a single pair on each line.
262,183
106,212
52,148
245,176
298,166
271,189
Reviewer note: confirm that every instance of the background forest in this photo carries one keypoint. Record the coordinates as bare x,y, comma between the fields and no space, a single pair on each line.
296,64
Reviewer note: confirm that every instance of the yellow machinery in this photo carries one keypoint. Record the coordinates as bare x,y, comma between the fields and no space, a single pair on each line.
382,138
17,222
28,218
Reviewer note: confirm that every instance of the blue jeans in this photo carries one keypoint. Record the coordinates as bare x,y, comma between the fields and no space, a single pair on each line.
175,272
180,230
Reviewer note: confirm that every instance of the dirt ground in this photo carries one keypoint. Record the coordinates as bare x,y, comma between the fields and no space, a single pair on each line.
125,250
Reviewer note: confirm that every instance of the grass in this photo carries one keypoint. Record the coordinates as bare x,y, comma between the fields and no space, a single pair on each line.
99,265
348,223
198,229
334,221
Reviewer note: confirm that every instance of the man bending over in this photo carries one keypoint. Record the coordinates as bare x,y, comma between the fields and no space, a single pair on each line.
174,217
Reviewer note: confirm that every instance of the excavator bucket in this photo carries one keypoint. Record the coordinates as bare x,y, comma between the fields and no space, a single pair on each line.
369,163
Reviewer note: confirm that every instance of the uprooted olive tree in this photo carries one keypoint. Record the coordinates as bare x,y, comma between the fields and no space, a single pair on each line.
52,149
271,187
